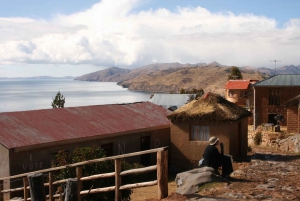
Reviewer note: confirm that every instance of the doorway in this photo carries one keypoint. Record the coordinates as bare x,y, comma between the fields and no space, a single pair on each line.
107,149
145,145
271,119
239,138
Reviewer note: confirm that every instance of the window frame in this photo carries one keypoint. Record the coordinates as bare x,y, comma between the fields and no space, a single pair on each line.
202,132
274,96
231,93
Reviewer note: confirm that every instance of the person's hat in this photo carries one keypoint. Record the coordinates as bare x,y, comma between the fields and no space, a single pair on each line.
213,140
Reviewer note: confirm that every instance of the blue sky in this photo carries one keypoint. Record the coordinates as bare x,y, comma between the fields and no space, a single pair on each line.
60,38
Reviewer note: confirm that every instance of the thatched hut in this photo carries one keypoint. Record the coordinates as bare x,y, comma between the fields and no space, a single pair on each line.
211,115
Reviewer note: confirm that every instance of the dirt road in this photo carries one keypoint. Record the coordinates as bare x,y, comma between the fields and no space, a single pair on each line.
270,175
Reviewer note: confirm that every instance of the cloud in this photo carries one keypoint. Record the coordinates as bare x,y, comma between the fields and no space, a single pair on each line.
111,34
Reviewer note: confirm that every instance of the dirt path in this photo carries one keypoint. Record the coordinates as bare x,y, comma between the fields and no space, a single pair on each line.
270,175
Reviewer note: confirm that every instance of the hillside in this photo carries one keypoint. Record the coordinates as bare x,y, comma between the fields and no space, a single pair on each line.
171,77
107,75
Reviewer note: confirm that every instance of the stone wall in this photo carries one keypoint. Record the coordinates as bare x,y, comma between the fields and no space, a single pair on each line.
291,144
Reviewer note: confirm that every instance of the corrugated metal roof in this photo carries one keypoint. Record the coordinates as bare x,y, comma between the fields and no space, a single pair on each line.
237,84
170,100
280,80
19,129
293,101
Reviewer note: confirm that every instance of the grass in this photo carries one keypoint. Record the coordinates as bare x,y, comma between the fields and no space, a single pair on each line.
144,193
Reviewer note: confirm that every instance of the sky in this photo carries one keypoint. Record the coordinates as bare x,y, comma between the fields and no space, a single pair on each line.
71,38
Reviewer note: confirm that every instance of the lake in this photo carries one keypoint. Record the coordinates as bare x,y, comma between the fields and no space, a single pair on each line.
33,94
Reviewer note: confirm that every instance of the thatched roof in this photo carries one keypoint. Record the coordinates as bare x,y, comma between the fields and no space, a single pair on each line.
210,107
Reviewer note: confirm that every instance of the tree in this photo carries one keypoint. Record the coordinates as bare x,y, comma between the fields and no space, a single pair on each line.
235,74
94,152
58,101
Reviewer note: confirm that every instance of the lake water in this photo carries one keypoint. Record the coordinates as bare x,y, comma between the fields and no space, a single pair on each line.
34,94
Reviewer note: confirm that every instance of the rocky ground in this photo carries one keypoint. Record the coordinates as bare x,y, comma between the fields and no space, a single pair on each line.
270,175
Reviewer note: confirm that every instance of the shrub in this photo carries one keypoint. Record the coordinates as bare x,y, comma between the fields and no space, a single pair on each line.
249,149
258,138
89,153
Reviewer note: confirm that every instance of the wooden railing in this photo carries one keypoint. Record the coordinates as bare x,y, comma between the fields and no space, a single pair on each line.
161,167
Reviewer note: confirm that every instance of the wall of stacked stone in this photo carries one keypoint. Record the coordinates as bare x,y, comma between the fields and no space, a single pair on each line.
268,138
290,144
276,139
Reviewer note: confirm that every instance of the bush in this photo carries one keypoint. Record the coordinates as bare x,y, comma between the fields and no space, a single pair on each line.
258,138
249,149
89,153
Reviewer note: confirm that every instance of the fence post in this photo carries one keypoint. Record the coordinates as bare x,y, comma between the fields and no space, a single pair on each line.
162,174
37,189
1,188
79,182
71,190
51,190
25,184
117,179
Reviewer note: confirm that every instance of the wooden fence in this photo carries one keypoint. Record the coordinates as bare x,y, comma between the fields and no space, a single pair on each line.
161,181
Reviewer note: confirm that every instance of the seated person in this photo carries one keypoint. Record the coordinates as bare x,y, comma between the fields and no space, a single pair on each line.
213,158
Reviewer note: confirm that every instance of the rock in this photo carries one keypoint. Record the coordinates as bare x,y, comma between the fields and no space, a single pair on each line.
291,143
266,187
16,198
190,181
238,173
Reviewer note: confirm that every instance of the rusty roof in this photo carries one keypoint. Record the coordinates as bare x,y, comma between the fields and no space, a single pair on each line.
26,128
237,84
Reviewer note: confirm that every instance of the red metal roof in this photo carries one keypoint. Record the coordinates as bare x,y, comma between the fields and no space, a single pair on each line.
237,84
19,129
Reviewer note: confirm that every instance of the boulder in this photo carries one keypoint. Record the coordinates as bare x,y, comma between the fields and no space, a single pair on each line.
190,181
292,143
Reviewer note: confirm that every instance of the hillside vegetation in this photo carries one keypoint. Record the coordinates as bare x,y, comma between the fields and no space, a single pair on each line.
171,77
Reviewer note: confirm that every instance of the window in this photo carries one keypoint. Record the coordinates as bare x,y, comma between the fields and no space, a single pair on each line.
274,97
243,94
199,133
230,93
53,160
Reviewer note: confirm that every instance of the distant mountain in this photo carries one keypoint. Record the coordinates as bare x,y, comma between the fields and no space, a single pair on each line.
291,69
170,77
39,77
111,74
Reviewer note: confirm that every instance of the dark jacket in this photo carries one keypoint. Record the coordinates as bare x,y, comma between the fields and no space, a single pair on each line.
212,157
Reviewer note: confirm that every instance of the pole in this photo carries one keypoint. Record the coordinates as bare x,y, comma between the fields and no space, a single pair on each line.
79,182
254,110
71,190
37,189
117,179
275,63
162,174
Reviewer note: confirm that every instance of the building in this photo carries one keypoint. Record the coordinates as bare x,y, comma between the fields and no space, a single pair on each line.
293,114
271,94
194,123
240,92
29,140
171,101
